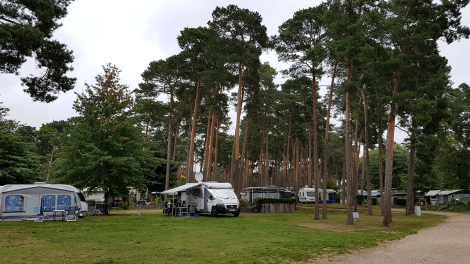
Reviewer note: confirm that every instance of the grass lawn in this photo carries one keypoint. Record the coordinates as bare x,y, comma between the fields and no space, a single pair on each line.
154,238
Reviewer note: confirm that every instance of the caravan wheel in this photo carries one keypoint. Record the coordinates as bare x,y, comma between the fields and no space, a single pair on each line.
214,212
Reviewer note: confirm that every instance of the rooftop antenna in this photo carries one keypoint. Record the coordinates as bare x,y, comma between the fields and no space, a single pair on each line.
198,176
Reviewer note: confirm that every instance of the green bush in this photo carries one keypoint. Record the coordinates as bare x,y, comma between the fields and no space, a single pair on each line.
124,206
260,201
400,202
403,201
360,198
374,201
338,199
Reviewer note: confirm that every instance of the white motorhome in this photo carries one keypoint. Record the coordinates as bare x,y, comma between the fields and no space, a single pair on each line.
18,201
205,197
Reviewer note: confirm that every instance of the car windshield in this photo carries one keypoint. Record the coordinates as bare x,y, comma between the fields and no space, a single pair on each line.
224,193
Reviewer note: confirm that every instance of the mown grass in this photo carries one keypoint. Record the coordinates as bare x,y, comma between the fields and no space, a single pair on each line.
152,238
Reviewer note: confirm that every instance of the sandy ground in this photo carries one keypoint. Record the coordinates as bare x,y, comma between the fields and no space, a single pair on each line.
448,242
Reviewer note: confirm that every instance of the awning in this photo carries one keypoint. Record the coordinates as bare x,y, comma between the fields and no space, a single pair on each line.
181,188
432,193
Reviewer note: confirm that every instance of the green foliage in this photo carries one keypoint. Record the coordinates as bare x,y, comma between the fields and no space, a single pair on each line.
260,201
124,206
374,200
360,198
26,31
402,202
103,148
18,161
401,158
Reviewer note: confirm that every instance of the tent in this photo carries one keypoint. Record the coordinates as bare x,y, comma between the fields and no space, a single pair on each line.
18,201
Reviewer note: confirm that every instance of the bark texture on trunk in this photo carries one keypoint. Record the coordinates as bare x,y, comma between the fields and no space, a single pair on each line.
327,135
410,193
381,181
190,177
366,153
215,173
349,173
387,217
168,154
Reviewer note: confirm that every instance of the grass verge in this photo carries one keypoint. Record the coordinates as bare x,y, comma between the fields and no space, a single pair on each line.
249,238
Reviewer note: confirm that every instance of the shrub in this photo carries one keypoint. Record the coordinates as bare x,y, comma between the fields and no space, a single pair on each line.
124,206
260,201
403,201
374,201
359,198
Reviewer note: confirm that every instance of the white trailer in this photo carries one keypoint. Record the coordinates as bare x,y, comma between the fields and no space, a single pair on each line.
205,197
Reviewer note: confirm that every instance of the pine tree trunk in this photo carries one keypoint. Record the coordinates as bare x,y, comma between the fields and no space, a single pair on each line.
355,167
168,154
235,174
261,169
286,181
349,174
267,157
211,144
366,154
381,183
207,140
343,193
190,177
309,181
315,149
387,220
297,166
215,171
327,135
176,140
244,154
410,194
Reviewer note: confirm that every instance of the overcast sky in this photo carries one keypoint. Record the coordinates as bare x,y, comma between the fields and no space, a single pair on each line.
131,34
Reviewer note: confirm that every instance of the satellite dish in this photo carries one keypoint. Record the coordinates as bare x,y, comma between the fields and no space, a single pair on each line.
199,176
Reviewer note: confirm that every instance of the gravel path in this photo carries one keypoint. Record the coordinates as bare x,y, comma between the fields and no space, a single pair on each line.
448,242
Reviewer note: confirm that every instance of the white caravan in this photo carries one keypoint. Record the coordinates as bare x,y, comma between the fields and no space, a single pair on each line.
306,195
206,197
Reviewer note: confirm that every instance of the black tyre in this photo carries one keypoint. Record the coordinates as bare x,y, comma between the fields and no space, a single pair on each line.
236,214
165,211
214,212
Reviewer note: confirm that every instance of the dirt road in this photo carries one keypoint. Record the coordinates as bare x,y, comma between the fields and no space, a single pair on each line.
448,242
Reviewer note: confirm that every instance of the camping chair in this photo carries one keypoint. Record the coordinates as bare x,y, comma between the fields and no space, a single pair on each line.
39,214
91,210
71,216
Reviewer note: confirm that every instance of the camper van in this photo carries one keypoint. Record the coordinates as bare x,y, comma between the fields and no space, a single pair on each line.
205,197
18,201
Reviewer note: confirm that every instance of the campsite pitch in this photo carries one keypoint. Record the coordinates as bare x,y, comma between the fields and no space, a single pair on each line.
153,237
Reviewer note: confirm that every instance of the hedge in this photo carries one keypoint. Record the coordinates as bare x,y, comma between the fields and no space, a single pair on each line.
360,198
403,201
260,201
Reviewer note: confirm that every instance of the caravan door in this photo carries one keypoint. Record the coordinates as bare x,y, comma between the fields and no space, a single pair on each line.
201,199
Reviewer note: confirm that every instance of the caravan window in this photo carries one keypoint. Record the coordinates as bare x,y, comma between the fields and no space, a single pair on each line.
14,203
64,201
224,193
311,194
48,203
